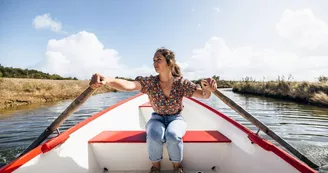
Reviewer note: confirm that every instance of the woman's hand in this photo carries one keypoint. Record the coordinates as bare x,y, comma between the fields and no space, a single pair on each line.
97,81
209,84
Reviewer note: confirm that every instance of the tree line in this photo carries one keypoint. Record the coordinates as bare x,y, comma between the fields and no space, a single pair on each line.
10,72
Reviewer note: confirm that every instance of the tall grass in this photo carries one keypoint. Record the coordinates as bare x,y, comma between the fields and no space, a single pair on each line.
308,92
15,92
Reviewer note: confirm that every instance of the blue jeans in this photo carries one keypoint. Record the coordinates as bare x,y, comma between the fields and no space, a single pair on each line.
169,129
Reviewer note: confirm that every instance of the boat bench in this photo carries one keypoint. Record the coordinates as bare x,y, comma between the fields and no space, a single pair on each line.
193,136
201,147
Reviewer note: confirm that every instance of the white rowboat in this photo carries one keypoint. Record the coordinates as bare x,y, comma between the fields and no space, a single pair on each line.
113,140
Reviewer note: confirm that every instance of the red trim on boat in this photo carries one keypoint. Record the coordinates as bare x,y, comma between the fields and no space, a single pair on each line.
240,126
191,136
281,153
83,123
54,142
302,167
36,151
147,104
259,141
21,161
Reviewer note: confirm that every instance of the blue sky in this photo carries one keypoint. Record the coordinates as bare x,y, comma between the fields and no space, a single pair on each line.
232,39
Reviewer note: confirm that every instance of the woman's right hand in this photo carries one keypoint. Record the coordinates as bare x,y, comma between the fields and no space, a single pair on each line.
97,81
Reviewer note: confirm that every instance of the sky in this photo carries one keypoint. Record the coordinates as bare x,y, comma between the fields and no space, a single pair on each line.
232,39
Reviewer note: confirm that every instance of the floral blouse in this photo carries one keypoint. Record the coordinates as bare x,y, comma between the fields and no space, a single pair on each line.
160,103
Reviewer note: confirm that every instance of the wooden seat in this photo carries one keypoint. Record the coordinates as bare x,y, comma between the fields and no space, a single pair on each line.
203,149
193,136
147,104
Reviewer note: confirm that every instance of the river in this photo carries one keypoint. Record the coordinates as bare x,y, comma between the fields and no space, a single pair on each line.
303,126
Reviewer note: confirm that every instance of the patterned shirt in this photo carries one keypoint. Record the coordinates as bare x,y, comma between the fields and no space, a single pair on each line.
160,103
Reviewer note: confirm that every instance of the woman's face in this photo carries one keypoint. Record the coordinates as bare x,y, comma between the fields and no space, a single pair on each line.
160,64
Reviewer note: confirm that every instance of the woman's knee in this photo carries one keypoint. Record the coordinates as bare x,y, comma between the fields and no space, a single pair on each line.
175,131
155,132
173,137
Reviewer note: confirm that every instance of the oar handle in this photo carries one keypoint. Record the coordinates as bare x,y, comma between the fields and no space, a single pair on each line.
264,128
59,120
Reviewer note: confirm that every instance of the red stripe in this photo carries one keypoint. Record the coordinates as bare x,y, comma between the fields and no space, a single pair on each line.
191,136
205,136
36,151
22,160
302,167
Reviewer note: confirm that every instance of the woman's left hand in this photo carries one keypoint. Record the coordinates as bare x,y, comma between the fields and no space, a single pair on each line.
209,84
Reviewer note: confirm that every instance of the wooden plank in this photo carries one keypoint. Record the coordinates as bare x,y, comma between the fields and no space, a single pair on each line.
126,136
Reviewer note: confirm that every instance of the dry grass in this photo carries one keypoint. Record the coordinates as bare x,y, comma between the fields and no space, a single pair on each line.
308,92
16,92
320,98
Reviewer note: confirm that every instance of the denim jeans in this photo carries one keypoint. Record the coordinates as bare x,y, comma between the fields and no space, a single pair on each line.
165,129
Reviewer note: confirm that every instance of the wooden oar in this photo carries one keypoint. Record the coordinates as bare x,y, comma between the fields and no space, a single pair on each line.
264,128
59,120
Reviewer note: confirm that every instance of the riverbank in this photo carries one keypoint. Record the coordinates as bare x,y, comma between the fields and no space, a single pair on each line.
15,92
18,92
315,93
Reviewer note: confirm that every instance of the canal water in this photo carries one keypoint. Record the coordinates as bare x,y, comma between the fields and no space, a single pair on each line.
303,126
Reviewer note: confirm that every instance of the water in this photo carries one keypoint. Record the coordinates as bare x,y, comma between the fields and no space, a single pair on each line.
303,126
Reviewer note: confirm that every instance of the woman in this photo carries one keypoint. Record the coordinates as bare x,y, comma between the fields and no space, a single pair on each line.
165,92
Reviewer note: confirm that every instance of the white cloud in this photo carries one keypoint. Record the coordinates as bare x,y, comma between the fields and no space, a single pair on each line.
216,9
82,55
302,30
45,22
299,28
216,58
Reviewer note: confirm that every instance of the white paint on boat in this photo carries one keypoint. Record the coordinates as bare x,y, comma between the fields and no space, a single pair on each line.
76,155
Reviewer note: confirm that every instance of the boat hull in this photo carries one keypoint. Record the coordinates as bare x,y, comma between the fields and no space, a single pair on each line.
246,152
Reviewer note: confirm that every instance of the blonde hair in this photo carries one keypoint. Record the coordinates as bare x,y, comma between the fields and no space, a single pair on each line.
170,60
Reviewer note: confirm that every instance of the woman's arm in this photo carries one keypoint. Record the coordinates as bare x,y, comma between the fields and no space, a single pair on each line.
98,80
123,85
202,93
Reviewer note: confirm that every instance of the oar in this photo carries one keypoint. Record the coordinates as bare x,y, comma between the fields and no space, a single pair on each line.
59,120
264,128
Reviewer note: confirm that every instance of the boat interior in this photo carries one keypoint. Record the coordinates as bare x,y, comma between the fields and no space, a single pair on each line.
114,140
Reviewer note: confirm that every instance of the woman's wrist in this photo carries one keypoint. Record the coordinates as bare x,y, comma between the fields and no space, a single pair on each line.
206,93
108,80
